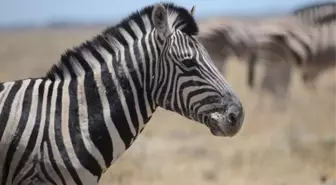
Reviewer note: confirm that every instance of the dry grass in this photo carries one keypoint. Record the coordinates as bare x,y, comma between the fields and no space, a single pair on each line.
295,146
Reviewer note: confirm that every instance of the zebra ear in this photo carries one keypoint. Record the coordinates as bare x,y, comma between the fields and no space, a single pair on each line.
192,11
160,20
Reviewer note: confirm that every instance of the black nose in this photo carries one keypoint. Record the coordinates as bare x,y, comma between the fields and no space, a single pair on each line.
235,115
232,117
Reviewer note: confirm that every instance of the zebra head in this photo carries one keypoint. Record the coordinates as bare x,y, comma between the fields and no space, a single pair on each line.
186,80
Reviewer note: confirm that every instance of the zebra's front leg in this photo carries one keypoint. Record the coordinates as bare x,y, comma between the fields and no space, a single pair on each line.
252,60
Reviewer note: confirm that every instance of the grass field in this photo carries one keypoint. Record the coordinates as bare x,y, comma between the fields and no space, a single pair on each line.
292,147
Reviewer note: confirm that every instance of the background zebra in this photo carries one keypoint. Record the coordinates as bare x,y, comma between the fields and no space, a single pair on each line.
242,38
316,13
240,42
72,124
278,75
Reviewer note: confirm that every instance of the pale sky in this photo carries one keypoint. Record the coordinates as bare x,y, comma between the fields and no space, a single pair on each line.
15,12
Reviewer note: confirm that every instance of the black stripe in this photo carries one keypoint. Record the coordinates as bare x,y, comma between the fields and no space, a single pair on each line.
117,114
85,158
46,174
103,42
26,105
127,91
130,31
304,45
196,92
6,109
152,43
28,175
69,67
126,86
179,96
146,54
175,93
98,131
136,80
46,139
59,136
2,87
32,139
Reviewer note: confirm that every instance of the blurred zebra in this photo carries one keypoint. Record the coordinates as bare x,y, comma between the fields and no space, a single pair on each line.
69,126
225,37
316,13
313,50
251,40
322,15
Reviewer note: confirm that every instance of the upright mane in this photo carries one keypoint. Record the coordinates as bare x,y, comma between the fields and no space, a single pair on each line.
178,18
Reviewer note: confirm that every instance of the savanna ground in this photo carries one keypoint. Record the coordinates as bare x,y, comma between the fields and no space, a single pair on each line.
293,147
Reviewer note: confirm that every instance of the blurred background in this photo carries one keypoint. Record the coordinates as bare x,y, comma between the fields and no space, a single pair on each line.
291,146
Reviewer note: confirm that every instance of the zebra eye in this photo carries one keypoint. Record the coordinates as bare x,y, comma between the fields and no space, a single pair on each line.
188,63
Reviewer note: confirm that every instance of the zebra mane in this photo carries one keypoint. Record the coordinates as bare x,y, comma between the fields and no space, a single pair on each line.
178,18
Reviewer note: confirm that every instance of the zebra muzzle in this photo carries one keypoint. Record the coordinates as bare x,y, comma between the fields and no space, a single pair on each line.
228,122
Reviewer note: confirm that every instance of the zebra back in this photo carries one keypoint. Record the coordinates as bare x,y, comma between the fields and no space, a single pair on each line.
316,13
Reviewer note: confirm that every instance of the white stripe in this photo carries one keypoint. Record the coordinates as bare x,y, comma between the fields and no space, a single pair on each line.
130,41
85,176
52,137
148,29
50,170
13,121
106,113
118,144
27,131
135,93
139,34
121,59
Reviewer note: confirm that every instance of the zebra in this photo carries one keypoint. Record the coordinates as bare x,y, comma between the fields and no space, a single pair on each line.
309,47
241,38
280,41
316,13
70,125
322,15
277,76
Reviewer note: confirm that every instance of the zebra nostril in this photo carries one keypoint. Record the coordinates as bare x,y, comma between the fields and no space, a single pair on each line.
234,115
232,118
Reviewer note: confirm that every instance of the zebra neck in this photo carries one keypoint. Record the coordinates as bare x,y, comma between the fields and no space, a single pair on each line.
110,79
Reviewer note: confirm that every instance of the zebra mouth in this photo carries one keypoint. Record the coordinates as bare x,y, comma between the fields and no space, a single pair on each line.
217,132
213,122
222,124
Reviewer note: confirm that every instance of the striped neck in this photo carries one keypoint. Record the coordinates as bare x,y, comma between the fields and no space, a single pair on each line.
111,78
128,56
